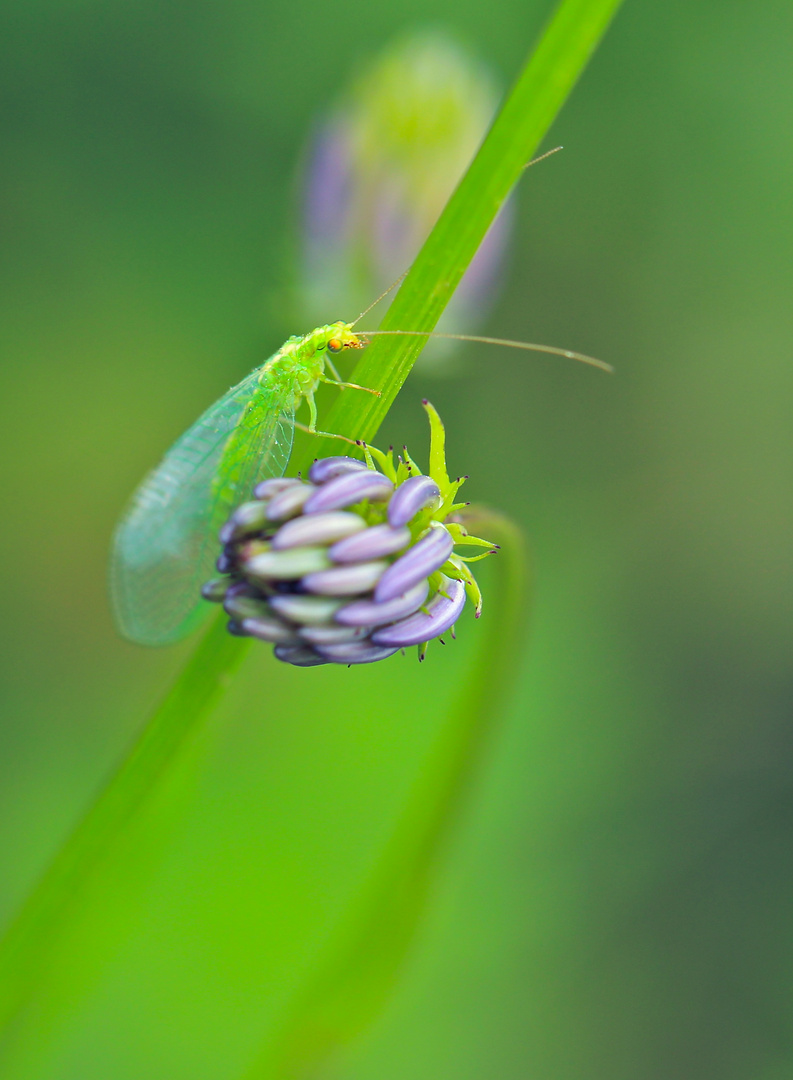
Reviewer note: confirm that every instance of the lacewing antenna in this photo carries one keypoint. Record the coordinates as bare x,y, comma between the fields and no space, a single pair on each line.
374,303
542,157
528,346
402,276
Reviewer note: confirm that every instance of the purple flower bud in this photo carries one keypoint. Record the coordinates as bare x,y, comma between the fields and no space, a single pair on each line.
315,529
354,652
345,580
327,570
374,543
410,497
289,502
306,610
332,635
347,490
215,590
241,606
239,588
224,563
286,565
370,613
298,655
326,468
246,520
442,612
267,488
423,559
267,628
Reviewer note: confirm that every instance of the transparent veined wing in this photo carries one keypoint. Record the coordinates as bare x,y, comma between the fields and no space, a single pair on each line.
166,543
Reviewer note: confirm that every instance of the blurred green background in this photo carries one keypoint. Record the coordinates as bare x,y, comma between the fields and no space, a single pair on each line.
617,900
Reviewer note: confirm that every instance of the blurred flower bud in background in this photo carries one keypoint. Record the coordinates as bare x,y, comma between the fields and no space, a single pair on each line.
377,174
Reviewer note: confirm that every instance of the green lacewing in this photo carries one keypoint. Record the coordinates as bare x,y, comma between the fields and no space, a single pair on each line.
165,545
166,542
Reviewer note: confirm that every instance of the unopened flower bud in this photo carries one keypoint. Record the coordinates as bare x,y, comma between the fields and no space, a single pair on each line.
352,565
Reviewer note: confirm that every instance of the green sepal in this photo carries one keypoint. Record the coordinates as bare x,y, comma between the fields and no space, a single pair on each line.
412,466
385,461
449,506
437,449
476,558
403,472
460,535
435,580
451,570
472,590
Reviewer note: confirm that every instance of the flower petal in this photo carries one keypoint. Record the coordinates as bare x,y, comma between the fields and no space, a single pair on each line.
423,559
354,652
215,590
241,606
346,490
326,468
370,613
374,543
286,565
268,628
289,502
267,488
315,529
224,564
410,497
345,580
306,610
441,613
299,655
247,519
332,635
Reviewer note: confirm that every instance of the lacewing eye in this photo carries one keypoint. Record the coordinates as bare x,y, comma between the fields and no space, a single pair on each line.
334,345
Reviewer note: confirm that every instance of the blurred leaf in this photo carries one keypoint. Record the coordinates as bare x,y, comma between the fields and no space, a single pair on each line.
27,947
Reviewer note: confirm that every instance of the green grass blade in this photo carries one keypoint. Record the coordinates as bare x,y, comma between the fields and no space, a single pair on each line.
360,970
546,80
